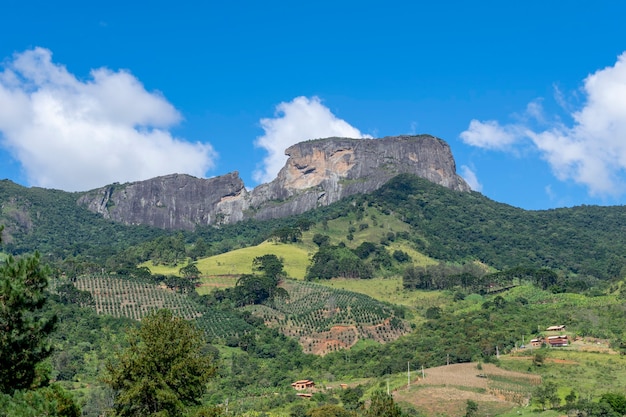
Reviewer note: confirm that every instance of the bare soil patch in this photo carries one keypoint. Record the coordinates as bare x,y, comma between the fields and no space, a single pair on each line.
446,389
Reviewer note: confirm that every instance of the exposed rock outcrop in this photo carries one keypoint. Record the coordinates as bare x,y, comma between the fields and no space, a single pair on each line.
323,171
317,173
174,201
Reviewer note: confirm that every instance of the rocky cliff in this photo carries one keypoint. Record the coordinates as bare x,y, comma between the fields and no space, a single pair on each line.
317,173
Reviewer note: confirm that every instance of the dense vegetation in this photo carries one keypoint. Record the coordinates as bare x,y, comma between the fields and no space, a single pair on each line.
448,225
497,276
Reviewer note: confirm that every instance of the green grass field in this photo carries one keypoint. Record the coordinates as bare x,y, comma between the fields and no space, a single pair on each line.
295,258
587,367
389,290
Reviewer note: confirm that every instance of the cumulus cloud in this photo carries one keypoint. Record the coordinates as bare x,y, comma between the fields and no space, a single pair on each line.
591,150
77,135
295,121
489,135
470,178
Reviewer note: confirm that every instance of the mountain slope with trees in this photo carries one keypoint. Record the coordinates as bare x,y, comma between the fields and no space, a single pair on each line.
587,241
448,225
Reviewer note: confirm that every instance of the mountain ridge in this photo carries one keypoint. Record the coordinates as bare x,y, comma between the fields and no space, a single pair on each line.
317,173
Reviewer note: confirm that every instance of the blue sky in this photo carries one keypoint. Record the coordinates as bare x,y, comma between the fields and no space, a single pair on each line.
531,96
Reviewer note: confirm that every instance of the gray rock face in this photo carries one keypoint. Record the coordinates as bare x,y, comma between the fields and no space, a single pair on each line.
317,173
170,202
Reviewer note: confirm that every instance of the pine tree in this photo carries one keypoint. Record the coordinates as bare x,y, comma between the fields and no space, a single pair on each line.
24,328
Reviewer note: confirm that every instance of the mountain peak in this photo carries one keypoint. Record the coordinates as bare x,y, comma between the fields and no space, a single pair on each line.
317,173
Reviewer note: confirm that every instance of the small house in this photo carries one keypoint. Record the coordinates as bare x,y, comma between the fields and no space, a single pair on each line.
303,384
558,328
536,343
558,341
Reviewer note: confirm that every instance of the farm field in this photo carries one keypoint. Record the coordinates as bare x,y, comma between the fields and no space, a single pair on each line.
446,389
120,297
323,319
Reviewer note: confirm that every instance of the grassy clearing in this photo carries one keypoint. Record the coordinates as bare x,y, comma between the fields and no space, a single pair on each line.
372,227
589,372
390,290
210,283
238,262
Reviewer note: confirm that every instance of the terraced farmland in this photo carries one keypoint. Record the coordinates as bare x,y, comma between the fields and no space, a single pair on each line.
325,319
121,297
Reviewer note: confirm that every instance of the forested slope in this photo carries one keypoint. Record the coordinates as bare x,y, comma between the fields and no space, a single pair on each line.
449,225
444,224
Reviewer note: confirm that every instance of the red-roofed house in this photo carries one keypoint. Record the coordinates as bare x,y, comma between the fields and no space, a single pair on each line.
303,384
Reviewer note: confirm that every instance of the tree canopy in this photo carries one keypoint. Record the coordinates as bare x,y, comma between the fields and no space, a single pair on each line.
163,369
24,328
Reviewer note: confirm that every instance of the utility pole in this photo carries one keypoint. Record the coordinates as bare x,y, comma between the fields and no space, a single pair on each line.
423,376
447,359
408,375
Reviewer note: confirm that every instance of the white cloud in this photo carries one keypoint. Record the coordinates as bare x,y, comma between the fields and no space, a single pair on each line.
78,135
470,178
592,151
295,121
489,135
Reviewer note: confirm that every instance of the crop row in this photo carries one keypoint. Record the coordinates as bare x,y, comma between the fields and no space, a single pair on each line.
123,297
326,319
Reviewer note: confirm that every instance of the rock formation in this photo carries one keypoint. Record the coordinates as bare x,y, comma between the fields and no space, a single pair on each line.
317,173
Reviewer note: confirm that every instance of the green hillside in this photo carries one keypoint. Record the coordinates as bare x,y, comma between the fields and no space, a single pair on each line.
455,278
51,222
448,225
587,241
239,261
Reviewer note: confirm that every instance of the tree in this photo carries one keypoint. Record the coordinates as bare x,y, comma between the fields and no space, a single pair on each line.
69,294
546,394
351,398
51,401
320,239
330,410
270,265
162,370
617,401
401,256
571,398
24,328
382,405
471,408
287,234
190,271
539,359
255,289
